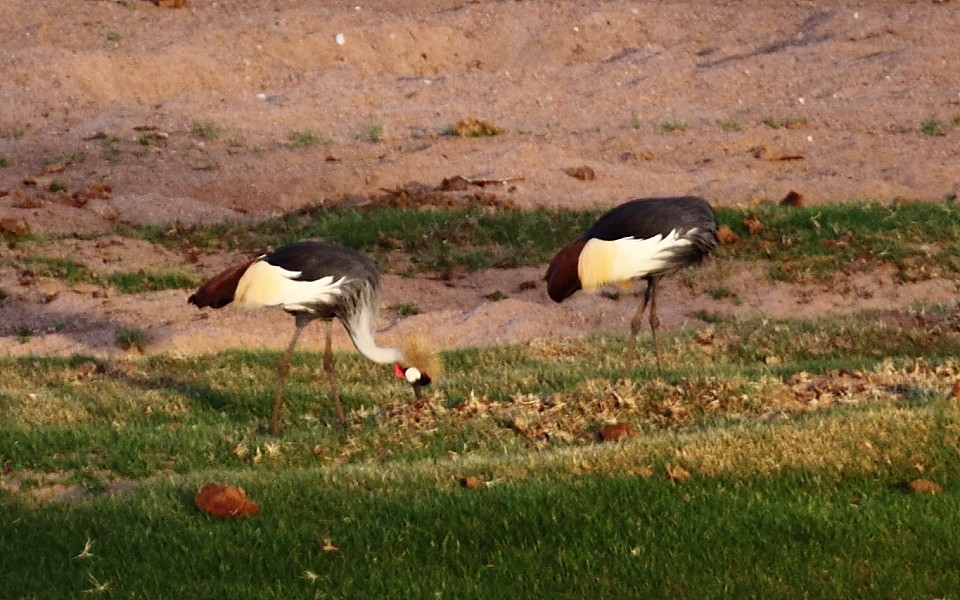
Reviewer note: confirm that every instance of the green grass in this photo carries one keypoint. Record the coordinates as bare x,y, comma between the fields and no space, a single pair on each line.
784,123
111,149
165,412
438,239
208,131
592,537
126,282
730,125
933,126
372,131
406,309
306,138
796,472
64,269
920,239
135,282
131,339
796,244
813,243
673,126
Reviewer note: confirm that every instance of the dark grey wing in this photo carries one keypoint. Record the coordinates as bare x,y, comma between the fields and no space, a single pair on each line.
646,218
316,259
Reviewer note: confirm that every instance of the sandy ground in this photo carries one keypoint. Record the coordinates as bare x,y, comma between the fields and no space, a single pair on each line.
118,111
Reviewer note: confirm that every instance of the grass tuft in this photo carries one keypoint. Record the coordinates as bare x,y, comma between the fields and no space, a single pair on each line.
673,126
306,138
372,131
784,123
207,131
131,339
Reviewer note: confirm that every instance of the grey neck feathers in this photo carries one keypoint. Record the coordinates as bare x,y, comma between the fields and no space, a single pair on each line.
360,328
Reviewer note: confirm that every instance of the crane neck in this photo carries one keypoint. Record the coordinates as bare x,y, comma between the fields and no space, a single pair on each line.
360,328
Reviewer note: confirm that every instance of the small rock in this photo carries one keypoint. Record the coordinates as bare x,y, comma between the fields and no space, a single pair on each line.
584,173
340,39
14,226
38,181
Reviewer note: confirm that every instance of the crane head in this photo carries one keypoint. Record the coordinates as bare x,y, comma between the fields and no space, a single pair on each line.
563,275
411,375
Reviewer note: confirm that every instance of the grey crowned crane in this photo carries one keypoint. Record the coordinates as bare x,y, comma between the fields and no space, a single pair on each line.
646,239
315,280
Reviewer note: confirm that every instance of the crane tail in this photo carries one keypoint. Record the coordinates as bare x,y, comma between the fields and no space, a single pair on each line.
563,276
220,289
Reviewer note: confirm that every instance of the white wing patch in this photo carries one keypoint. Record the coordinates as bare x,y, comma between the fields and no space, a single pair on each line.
602,261
264,284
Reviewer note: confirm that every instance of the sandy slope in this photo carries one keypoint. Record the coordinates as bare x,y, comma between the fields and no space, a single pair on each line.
100,93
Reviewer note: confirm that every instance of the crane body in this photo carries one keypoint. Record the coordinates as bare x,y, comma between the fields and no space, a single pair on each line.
312,280
645,238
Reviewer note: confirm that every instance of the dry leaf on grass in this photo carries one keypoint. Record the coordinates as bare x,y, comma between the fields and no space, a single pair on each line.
753,225
225,501
924,486
677,473
726,236
472,482
475,128
616,431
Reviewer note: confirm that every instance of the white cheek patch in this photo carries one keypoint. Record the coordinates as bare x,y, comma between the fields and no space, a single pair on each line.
412,375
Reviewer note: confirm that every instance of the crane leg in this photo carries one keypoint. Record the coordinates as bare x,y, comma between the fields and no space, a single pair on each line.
636,323
655,323
331,377
282,371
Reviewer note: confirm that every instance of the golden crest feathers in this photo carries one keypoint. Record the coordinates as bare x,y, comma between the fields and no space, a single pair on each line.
418,353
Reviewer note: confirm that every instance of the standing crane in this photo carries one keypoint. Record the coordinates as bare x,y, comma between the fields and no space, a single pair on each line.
315,280
645,238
